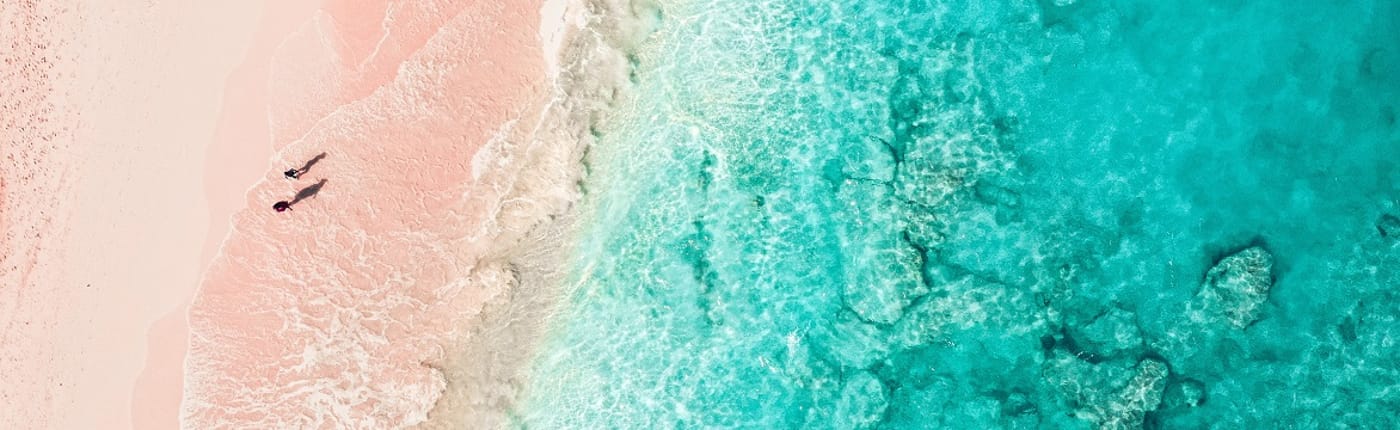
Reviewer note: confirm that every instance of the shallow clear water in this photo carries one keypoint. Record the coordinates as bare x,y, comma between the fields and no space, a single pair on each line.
958,214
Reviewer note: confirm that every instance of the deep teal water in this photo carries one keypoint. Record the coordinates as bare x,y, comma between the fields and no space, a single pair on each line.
965,214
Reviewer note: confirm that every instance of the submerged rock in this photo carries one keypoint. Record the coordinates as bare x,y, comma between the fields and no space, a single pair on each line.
1111,334
1231,297
969,304
851,342
1142,394
862,404
882,281
1112,395
1389,227
1126,407
1186,393
883,270
1237,287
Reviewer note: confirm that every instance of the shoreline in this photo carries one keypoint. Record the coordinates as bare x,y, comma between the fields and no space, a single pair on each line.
137,343
238,154
591,83
516,182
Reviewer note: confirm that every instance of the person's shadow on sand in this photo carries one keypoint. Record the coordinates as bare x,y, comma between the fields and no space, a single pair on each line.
310,163
309,191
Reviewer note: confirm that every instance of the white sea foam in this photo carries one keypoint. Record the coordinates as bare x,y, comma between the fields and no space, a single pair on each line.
557,19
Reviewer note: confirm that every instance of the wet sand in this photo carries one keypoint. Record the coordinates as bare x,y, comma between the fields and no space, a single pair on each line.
237,157
448,145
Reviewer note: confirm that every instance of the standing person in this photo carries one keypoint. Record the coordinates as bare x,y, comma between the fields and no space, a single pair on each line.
282,206
291,174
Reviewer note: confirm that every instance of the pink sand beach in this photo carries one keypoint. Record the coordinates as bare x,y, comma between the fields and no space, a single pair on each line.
146,282
446,145
108,110
236,157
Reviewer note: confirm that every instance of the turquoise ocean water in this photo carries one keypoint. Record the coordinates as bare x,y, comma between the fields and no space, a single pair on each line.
992,214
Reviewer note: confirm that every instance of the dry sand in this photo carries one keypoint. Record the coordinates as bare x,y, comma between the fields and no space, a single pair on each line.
106,215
